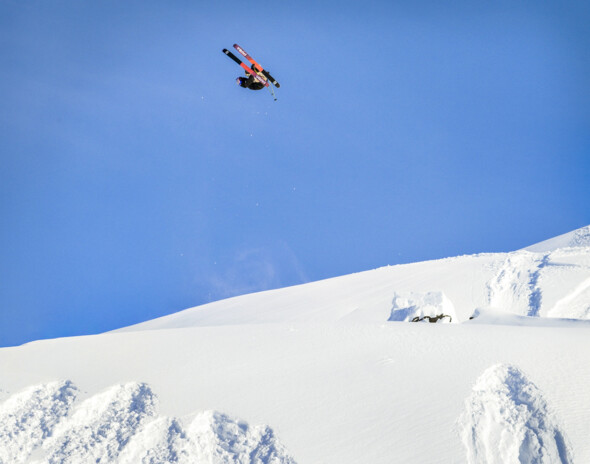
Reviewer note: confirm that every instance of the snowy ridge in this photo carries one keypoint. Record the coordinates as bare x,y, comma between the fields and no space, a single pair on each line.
552,283
506,419
121,425
574,239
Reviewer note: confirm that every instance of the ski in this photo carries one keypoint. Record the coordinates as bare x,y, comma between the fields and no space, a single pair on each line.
246,68
256,66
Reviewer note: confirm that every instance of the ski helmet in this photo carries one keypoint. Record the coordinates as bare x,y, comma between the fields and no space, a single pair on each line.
240,81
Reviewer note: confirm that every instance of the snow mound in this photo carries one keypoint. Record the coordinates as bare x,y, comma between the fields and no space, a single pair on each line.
102,425
29,417
412,306
575,239
161,440
220,439
507,420
122,425
210,437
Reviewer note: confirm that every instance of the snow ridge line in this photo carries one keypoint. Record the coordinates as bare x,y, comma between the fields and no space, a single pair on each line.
42,424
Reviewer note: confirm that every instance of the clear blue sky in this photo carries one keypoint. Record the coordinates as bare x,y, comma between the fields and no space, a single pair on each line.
137,179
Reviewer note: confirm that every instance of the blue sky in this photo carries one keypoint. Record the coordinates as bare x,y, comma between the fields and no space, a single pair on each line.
137,179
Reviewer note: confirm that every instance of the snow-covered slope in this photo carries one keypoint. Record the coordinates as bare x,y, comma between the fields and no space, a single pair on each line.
327,372
554,283
575,239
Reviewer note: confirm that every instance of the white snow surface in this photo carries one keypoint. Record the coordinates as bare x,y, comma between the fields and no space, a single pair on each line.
576,238
328,372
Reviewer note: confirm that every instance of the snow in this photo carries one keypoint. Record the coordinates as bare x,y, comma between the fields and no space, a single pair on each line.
122,425
27,418
508,420
417,307
101,425
550,283
327,372
576,238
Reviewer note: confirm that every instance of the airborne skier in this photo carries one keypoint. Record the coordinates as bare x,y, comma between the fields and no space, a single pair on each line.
256,76
249,82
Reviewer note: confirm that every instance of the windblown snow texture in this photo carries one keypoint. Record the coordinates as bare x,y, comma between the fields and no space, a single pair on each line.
122,425
209,437
102,425
220,439
506,419
28,418
161,440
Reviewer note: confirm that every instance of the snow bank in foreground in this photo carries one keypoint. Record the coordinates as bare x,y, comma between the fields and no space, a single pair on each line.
415,306
122,425
102,425
29,417
209,437
218,438
507,420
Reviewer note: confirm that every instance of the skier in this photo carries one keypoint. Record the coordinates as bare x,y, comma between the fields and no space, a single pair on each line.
249,82
256,77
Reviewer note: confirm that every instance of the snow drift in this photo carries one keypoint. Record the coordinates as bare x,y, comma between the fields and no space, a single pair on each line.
508,420
122,425
28,418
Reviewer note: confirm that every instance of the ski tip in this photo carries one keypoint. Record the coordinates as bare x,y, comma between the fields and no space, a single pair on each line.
225,50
